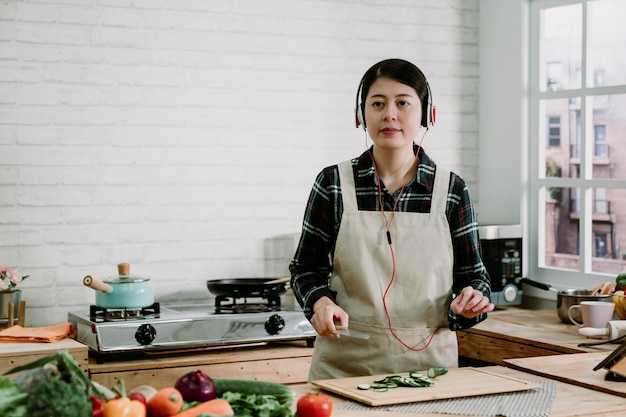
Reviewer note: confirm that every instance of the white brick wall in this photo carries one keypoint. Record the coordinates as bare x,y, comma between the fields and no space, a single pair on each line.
183,136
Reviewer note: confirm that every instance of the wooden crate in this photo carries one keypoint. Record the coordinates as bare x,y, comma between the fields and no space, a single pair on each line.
17,354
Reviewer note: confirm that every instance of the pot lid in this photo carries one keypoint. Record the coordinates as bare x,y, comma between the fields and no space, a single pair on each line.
125,279
124,276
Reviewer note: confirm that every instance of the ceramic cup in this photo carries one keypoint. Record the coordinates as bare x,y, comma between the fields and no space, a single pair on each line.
594,313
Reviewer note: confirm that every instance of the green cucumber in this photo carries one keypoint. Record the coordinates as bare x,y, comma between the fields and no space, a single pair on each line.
282,393
435,372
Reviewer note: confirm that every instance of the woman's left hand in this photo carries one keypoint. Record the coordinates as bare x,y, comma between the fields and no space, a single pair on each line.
471,303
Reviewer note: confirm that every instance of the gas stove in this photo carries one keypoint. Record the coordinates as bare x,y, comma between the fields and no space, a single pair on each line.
180,328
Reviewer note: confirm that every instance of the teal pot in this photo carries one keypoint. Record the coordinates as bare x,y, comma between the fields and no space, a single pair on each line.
6,299
122,292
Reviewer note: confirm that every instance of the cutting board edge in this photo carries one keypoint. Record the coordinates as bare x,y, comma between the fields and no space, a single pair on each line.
374,403
331,385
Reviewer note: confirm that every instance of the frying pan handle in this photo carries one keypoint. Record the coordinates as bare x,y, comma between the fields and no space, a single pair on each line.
96,284
536,284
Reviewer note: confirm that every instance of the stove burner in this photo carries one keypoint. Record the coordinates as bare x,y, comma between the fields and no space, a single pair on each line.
100,314
229,305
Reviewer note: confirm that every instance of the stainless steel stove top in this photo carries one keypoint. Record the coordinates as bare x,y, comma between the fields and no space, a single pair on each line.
188,327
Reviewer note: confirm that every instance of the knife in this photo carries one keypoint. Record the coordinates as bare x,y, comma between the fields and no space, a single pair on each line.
351,333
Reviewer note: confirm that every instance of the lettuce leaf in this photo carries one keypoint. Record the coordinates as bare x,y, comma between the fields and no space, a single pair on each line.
12,400
255,405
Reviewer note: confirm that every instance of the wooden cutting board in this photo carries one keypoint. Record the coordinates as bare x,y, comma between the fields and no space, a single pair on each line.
574,369
457,383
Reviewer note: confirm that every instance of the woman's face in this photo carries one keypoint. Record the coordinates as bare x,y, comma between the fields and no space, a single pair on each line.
393,113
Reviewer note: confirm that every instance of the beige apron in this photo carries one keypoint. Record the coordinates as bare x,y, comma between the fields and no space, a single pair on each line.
417,301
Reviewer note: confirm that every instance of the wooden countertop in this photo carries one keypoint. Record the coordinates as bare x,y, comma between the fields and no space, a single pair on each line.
570,400
285,362
231,354
514,332
17,354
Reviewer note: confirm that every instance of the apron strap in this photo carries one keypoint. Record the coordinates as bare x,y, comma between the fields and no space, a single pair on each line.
348,189
440,191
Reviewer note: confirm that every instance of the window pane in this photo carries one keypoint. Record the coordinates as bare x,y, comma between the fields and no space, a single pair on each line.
609,231
561,48
608,136
562,213
560,137
606,36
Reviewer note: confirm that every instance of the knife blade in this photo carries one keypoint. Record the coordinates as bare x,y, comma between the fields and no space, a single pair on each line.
351,333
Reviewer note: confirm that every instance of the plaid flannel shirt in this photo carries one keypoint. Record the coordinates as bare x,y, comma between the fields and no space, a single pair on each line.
311,265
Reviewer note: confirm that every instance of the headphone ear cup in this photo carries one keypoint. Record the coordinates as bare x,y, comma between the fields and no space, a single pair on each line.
359,117
433,115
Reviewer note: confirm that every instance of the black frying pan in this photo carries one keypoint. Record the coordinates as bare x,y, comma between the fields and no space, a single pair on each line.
246,287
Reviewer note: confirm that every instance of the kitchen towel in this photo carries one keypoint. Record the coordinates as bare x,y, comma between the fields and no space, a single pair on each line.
48,334
530,403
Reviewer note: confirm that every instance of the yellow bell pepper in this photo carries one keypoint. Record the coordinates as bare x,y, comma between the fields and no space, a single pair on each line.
124,407
620,304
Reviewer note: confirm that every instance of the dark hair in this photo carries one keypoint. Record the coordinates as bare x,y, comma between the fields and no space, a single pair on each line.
401,71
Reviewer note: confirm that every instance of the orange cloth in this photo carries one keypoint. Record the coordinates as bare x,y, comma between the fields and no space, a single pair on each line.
48,334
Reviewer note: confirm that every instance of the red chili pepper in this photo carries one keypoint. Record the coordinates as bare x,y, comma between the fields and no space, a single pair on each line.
97,408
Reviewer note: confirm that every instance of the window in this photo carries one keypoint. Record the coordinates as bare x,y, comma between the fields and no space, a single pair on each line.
601,251
599,139
577,141
600,205
554,132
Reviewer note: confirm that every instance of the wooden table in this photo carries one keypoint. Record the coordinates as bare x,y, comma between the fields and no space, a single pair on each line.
514,332
570,401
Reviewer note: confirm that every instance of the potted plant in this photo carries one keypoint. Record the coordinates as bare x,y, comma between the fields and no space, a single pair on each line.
553,169
9,293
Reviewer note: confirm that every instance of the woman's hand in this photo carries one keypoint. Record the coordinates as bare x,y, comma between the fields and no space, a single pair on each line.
325,314
471,303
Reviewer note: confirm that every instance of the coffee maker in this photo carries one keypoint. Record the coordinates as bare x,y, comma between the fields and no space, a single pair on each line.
502,256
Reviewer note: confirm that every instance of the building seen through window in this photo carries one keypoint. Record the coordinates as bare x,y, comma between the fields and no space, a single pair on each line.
580,105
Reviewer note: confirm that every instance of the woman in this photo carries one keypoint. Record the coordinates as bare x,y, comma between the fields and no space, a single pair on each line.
389,243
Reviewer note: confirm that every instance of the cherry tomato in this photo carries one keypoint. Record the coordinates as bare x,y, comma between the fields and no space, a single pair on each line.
314,405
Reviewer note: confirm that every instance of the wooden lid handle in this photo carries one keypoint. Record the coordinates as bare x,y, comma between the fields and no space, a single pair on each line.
123,268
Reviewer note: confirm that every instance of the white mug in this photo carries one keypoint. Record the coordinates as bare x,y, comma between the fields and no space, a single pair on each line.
594,313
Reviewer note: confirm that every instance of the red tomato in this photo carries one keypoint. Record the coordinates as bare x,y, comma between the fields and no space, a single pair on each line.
315,405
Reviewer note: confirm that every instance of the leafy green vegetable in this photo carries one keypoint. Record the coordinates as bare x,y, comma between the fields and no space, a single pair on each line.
57,398
68,370
256,405
12,400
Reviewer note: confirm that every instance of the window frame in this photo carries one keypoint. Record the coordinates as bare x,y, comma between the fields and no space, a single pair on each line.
535,155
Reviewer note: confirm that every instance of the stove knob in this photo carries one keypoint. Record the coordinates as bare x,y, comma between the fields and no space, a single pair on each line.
274,324
145,334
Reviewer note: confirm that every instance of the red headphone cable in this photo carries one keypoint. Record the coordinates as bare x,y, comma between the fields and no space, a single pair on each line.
389,241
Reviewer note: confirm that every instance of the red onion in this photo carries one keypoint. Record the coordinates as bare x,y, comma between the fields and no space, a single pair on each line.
196,386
